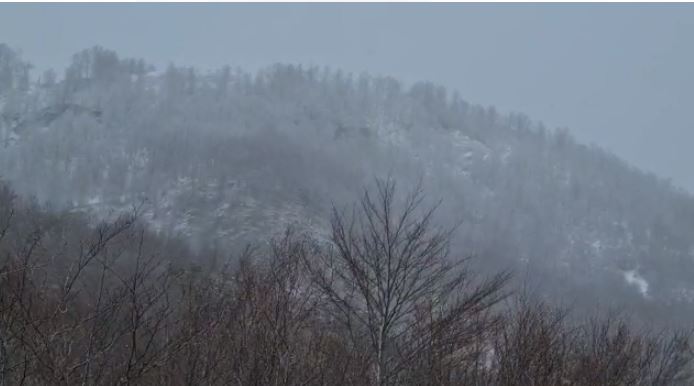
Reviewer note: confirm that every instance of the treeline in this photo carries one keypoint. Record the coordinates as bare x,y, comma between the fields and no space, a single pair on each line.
226,156
382,301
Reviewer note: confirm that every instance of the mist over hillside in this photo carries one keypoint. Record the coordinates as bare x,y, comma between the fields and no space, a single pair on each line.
226,157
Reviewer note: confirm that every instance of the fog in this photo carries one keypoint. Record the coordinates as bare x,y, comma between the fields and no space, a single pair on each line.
616,75
360,194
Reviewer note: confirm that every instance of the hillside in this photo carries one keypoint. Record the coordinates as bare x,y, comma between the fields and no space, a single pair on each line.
225,157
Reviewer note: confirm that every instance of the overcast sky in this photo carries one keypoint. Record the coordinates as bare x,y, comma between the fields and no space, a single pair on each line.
621,76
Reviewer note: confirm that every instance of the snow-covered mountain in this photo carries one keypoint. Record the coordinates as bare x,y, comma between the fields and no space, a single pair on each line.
226,157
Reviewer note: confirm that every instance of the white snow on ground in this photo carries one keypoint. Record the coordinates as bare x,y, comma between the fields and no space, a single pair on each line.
685,294
633,278
95,200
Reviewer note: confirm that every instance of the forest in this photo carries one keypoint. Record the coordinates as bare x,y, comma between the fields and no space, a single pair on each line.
306,226
380,303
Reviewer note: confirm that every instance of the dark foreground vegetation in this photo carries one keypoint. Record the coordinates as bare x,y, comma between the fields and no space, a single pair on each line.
381,301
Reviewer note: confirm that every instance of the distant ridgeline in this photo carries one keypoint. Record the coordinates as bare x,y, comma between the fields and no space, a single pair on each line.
225,157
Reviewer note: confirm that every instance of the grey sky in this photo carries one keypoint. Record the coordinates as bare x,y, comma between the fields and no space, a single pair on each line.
618,75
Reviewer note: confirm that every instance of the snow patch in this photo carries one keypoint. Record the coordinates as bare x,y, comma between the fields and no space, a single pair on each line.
597,247
632,277
95,200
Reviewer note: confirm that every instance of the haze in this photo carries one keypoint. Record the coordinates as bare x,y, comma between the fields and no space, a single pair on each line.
363,194
616,75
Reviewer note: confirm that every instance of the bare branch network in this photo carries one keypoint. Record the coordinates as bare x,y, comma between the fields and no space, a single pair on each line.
384,302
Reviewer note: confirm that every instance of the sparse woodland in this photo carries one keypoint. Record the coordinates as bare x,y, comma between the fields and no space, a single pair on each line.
381,302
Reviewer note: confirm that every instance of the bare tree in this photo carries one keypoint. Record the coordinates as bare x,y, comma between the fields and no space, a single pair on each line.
386,263
539,344
382,304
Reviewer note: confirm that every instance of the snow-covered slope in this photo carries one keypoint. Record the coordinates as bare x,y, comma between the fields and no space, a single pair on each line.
227,157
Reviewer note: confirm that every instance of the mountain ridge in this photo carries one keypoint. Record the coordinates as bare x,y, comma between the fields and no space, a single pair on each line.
226,157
